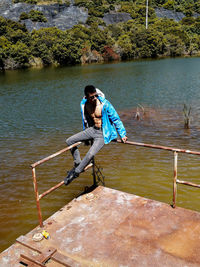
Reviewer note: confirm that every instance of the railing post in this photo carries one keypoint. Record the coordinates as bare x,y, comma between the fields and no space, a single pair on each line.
94,173
37,197
175,179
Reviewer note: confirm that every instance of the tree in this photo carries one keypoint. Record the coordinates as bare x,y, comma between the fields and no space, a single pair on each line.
17,35
67,52
2,57
127,47
174,46
20,53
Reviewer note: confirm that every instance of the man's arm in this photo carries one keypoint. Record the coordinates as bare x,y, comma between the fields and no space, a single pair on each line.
115,119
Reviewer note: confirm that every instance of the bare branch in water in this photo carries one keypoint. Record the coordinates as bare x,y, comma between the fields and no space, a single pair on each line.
186,113
139,115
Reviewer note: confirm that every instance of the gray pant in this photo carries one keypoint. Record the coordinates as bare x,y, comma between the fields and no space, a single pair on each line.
96,135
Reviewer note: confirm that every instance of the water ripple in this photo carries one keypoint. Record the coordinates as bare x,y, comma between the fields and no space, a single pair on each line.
40,109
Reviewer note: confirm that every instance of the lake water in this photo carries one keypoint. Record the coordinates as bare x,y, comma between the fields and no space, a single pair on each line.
40,109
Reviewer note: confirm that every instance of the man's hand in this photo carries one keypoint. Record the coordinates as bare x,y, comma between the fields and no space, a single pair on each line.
124,139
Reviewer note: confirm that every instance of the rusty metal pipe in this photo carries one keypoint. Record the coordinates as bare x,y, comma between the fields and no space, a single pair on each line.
161,147
94,173
59,184
187,183
175,150
37,197
54,155
175,179
50,190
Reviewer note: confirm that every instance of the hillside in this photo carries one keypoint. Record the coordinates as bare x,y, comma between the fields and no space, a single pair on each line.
37,32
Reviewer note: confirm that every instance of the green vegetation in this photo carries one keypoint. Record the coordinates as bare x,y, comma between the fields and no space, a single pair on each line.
99,7
33,15
130,40
32,2
188,7
43,2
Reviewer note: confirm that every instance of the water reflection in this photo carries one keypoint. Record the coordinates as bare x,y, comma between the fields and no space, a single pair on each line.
40,109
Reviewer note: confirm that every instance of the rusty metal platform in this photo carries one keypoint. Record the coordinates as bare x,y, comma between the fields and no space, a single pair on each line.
112,228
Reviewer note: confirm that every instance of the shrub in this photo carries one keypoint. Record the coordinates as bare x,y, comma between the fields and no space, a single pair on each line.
82,3
33,15
32,2
115,31
188,20
42,51
67,3
169,4
2,57
91,20
23,16
96,12
129,39
36,15
19,52
17,35
174,46
195,28
127,47
99,39
67,52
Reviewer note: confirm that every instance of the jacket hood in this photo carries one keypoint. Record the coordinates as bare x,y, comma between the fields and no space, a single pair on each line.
100,93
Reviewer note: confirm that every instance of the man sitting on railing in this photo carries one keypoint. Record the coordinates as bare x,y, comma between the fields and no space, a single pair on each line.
100,122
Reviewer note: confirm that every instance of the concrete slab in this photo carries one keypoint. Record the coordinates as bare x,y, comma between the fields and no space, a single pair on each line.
112,228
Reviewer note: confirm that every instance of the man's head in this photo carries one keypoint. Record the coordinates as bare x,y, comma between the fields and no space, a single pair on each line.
89,89
90,93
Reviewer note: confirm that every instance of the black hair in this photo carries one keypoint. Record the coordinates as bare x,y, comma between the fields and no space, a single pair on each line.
89,89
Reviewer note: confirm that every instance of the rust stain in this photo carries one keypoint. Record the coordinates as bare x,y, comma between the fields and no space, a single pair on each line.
112,228
183,242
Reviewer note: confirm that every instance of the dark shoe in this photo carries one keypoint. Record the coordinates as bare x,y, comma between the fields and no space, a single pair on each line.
76,165
71,176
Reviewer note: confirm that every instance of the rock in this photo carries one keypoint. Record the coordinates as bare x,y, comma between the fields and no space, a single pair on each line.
65,17
196,15
170,14
117,49
36,62
69,17
61,16
109,54
11,64
30,25
5,5
114,17
89,56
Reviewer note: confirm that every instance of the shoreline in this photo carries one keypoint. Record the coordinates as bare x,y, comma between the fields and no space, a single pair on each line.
56,65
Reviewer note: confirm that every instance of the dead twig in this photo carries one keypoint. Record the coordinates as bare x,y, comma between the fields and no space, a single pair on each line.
186,113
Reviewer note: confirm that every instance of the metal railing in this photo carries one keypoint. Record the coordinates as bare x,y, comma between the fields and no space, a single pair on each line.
175,151
34,165
175,180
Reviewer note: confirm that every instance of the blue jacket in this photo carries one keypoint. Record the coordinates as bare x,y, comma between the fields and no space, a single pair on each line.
110,120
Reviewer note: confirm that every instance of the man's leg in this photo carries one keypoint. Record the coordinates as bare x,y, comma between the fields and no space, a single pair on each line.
79,137
94,149
98,143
